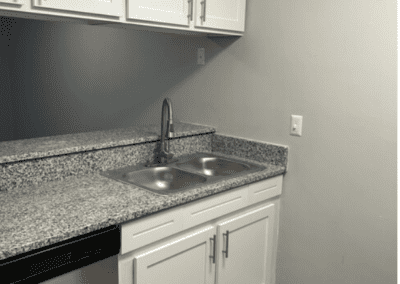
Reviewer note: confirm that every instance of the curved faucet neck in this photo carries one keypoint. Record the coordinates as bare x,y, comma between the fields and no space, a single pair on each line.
167,103
166,133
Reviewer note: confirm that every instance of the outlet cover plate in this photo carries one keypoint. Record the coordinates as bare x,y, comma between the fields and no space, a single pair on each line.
201,56
296,125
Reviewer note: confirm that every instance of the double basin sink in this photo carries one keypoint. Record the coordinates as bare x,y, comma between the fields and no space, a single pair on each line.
186,173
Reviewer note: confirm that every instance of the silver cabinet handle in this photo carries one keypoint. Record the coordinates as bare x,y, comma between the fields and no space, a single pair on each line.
204,10
190,15
227,243
213,256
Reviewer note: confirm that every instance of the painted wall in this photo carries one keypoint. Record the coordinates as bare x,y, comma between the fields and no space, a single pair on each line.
59,78
334,62
7,30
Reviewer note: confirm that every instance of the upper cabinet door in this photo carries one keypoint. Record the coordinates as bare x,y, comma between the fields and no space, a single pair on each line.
221,14
175,12
102,7
16,2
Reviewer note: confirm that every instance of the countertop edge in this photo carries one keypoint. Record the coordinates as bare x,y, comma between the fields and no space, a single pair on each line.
176,200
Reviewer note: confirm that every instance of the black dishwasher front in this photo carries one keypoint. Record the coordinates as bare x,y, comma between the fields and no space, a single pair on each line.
45,263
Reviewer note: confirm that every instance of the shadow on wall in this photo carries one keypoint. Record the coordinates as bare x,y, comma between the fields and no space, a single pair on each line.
224,42
8,29
70,78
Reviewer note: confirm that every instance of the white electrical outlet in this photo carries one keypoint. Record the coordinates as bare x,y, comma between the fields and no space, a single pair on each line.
296,125
201,56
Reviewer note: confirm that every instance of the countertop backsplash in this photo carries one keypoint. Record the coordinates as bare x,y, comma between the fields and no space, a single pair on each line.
31,162
26,149
251,149
55,158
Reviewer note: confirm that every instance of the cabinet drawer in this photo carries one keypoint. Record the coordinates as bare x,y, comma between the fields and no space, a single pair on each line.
265,189
213,207
139,233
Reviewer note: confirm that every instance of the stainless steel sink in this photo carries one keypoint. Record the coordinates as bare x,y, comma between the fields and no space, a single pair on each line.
213,166
189,172
161,179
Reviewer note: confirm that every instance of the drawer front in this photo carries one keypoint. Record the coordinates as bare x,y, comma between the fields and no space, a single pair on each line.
213,207
265,189
139,233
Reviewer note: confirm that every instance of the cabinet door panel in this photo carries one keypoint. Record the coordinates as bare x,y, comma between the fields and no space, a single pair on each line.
102,7
165,11
17,2
249,247
180,261
221,14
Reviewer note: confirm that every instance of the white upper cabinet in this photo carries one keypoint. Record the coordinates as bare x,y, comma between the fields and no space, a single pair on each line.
196,15
212,17
101,7
175,12
16,2
226,15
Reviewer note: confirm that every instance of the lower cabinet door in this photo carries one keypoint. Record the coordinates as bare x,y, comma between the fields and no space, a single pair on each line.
183,260
244,245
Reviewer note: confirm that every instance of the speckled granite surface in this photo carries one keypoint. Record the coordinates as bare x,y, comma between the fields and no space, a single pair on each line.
255,150
40,170
37,216
19,150
55,198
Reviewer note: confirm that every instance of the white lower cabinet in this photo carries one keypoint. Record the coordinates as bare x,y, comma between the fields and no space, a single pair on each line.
234,247
245,247
181,261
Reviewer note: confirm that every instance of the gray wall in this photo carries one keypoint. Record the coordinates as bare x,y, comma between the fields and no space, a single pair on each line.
61,78
334,62
7,111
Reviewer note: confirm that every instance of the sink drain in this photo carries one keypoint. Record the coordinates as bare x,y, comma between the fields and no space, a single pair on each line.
168,177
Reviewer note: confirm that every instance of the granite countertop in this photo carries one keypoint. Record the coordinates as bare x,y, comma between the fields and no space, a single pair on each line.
39,216
25,149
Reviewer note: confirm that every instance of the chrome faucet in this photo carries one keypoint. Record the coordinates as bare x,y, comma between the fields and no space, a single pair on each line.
165,156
